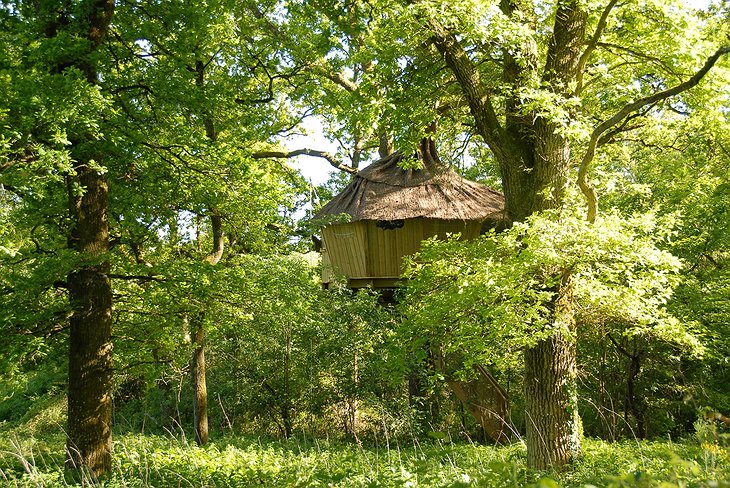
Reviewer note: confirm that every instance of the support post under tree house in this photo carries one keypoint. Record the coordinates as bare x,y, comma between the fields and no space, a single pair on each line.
388,211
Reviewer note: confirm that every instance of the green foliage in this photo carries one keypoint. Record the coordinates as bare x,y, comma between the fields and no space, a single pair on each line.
497,290
28,392
176,143
683,181
278,346
144,123
148,461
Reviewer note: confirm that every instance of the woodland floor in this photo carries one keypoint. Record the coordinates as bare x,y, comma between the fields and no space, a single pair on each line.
31,454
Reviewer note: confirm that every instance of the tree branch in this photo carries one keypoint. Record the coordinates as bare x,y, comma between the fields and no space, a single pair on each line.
216,222
618,346
628,109
306,152
639,55
339,78
480,103
136,277
255,10
624,126
603,21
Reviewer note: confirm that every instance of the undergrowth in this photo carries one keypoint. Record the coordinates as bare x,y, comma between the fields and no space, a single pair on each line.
31,455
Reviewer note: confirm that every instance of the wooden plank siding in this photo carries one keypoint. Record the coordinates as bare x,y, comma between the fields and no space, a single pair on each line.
368,254
385,247
347,248
327,273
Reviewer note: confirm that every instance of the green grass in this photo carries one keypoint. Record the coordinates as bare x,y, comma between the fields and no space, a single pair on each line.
143,460
31,454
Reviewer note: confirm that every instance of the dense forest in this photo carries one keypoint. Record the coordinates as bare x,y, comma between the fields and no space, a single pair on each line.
162,315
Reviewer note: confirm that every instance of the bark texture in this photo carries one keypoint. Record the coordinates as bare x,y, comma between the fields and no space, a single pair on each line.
90,354
551,418
89,442
553,425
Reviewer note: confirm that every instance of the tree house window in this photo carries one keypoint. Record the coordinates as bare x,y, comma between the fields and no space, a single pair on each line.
390,224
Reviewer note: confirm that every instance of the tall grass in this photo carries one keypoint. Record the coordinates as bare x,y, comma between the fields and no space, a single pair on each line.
31,455
166,461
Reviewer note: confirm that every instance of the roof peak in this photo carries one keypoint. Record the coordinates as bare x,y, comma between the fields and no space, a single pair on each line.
386,191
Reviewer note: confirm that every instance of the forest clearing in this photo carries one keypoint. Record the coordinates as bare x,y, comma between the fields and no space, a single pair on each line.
517,272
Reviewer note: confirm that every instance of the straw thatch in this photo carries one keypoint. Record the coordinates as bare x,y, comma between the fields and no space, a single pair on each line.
385,191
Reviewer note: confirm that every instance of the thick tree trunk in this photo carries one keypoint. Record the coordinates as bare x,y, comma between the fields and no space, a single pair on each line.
551,416
90,380
200,389
534,160
554,427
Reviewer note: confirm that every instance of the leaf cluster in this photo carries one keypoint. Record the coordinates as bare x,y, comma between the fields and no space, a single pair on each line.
494,296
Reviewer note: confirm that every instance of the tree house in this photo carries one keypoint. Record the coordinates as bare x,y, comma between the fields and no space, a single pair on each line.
389,211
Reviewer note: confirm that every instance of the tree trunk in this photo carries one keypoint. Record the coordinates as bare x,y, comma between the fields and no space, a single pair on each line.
551,416
482,396
352,400
632,402
216,223
200,389
197,333
554,427
385,144
90,378
534,160
553,424
197,363
286,404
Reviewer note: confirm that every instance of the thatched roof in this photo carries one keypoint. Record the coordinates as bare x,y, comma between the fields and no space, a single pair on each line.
384,191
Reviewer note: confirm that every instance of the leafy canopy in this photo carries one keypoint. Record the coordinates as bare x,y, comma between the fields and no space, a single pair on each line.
490,297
